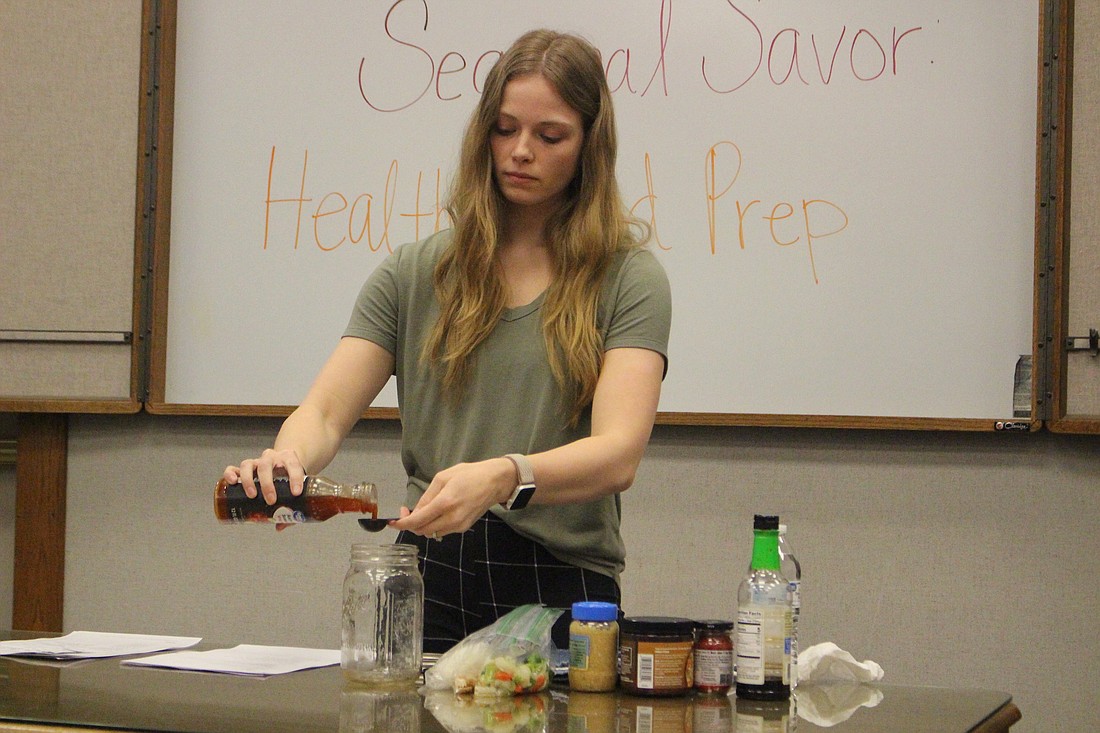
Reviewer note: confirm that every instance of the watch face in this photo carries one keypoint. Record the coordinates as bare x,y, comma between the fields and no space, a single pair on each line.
521,496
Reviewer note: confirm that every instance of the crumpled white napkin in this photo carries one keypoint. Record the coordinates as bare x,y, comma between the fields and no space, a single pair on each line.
826,662
832,685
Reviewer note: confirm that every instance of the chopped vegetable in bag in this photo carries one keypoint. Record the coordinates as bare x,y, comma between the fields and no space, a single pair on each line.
509,657
506,676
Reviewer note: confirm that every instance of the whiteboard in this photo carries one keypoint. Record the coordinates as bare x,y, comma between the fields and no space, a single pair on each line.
842,191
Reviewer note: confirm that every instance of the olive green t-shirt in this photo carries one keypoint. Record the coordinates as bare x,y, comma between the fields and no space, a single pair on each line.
512,403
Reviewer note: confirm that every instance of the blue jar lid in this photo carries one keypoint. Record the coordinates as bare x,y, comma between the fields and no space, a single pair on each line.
595,611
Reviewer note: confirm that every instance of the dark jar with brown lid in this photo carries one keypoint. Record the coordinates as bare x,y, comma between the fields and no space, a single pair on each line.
655,655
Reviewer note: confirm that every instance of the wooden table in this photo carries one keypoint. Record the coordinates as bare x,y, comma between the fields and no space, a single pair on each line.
104,695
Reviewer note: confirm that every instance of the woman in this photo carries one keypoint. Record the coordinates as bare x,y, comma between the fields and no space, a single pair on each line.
529,343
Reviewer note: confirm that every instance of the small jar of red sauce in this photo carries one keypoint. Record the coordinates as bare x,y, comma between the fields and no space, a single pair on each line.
713,654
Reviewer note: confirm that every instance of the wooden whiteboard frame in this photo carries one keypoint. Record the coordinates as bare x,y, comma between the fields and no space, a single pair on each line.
156,402
1061,419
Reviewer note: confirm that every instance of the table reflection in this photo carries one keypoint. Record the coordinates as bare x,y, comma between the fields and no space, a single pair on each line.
830,704
592,712
758,716
380,709
589,712
465,714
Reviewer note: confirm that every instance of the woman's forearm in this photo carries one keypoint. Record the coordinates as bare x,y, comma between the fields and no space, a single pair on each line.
314,442
623,412
346,386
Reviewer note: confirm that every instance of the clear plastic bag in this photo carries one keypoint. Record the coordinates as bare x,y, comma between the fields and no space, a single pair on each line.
512,656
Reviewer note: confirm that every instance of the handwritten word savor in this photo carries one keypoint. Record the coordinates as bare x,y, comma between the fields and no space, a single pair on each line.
746,51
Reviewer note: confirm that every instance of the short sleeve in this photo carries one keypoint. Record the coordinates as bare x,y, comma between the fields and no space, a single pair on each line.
636,308
376,310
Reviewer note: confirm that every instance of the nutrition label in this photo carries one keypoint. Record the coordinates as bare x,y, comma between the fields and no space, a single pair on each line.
763,643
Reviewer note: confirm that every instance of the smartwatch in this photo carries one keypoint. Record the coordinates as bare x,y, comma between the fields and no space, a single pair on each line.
525,489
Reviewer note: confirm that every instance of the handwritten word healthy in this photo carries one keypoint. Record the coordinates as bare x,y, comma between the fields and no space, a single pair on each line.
778,56
354,220
336,219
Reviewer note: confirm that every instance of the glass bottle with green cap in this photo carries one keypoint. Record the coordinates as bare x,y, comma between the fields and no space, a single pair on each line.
764,620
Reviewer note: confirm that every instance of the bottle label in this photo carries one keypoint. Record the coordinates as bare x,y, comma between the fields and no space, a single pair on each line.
286,515
713,667
657,665
794,591
578,651
287,509
763,644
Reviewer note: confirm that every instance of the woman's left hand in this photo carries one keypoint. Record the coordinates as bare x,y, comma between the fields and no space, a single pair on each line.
458,496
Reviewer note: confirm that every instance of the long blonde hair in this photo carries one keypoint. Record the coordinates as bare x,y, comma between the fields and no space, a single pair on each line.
583,235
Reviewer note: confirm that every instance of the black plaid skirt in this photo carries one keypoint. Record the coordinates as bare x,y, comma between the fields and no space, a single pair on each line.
473,578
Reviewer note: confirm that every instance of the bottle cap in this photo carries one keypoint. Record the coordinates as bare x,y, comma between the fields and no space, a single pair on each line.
657,626
714,624
595,611
765,521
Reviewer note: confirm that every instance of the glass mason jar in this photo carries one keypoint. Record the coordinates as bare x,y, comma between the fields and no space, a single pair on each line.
382,631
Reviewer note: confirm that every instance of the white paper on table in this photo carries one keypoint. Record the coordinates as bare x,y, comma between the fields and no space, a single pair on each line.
93,644
244,659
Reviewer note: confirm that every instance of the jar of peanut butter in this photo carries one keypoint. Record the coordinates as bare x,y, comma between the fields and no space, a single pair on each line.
593,646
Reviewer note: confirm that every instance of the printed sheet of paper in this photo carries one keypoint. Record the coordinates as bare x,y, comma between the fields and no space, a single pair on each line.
93,644
244,659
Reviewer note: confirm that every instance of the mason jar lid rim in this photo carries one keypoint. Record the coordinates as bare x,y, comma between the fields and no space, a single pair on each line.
370,549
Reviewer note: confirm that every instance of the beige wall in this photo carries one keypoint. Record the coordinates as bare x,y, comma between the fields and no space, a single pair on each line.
951,559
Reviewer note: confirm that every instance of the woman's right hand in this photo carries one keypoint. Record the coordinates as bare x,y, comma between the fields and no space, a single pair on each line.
271,463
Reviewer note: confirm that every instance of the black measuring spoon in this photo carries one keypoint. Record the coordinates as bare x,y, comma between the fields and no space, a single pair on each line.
377,524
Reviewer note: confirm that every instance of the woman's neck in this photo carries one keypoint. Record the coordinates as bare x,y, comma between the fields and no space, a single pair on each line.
525,261
524,226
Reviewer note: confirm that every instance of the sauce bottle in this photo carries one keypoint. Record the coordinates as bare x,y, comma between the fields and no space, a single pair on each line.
764,620
792,571
321,498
